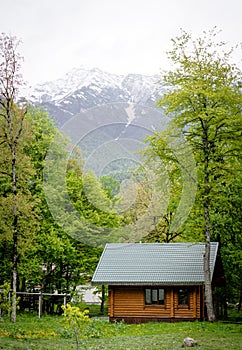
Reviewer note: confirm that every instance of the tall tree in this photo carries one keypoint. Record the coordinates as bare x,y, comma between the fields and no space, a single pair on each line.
204,102
12,121
56,261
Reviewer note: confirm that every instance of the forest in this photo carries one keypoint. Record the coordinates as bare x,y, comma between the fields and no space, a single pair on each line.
203,101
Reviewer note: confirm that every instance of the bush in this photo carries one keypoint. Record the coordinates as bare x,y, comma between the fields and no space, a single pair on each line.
77,320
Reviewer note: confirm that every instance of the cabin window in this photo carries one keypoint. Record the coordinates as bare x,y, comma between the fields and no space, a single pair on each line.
154,296
183,296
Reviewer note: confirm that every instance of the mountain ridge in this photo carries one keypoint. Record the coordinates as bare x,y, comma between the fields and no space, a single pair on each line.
84,88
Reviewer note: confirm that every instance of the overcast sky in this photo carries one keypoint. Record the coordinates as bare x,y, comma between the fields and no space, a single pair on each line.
119,36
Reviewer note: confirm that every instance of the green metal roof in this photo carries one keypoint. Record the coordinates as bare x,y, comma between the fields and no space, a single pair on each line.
153,263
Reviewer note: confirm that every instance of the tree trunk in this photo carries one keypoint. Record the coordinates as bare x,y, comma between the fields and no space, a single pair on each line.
208,283
77,339
207,271
15,234
14,287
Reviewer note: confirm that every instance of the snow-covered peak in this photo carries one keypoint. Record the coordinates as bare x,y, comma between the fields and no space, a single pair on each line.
83,88
83,76
74,80
80,77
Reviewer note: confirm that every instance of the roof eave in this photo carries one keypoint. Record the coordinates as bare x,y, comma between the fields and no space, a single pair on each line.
147,283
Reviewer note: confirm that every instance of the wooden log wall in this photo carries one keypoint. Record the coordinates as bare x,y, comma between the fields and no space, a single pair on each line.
129,301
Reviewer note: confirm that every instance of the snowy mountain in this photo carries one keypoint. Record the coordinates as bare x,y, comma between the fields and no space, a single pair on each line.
107,115
83,88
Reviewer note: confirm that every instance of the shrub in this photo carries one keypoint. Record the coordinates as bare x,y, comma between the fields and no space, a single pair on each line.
77,320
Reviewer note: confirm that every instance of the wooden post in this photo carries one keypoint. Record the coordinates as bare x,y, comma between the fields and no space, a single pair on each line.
40,305
202,289
172,303
65,300
195,302
111,297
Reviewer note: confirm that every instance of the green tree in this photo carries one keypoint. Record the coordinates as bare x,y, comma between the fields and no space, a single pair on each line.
15,165
57,262
226,220
170,176
76,319
203,100
92,202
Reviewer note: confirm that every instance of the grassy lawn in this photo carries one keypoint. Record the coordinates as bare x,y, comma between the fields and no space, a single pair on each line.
49,333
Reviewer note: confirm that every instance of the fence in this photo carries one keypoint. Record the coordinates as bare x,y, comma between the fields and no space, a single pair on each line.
37,296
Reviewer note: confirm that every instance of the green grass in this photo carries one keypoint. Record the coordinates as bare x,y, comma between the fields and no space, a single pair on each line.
49,333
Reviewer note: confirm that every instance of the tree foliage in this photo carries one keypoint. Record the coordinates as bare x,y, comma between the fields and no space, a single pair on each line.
15,166
203,101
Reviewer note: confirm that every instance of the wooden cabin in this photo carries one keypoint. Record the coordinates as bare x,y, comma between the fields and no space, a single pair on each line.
156,281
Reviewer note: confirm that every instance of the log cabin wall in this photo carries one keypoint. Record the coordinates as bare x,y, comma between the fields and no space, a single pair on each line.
128,303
